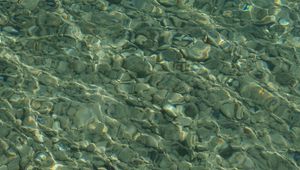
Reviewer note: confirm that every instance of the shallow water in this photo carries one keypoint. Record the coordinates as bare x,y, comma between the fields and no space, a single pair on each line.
165,84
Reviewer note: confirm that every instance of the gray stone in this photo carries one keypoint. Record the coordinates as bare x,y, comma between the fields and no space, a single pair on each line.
138,65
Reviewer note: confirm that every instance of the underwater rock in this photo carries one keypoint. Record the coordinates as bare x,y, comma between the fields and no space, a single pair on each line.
30,5
138,65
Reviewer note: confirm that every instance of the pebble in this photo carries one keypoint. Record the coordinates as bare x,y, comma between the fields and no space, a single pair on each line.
91,147
44,159
148,140
170,110
127,155
170,55
168,2
37,136
138,65
115,1
228,109
48,79
247,7
35,104
30,122
141,39
3,19
56,125
3,146
241,160
248,131
30,5
184,165
62,67
4,167
267,20
82,116
11,30
2,78
296,157
198,52
184,121
284,22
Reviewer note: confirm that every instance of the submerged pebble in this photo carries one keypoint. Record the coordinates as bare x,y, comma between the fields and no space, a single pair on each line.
284,22
10,30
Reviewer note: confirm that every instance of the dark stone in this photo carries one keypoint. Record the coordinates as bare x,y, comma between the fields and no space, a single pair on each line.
227,152
270,65
114,1
3,78
296,157
284,78
216,114
138,65
191,110
155,156
171,55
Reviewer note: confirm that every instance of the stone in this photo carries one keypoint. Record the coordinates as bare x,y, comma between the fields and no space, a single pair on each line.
170,110
184,121
62,67
3,167
78,66
241,160
56,126
115,1
37,136
30,122
267,20
3,19
30,5
138,65
81,116
294,41
191,139
170,132
141,39
259,95
175,98
249,132
44,159
197,52
14,163
279,141
284,78
91,147
171,55
214,38
47,79
127,155
191,110
228,109
284,22
3,146
11,30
